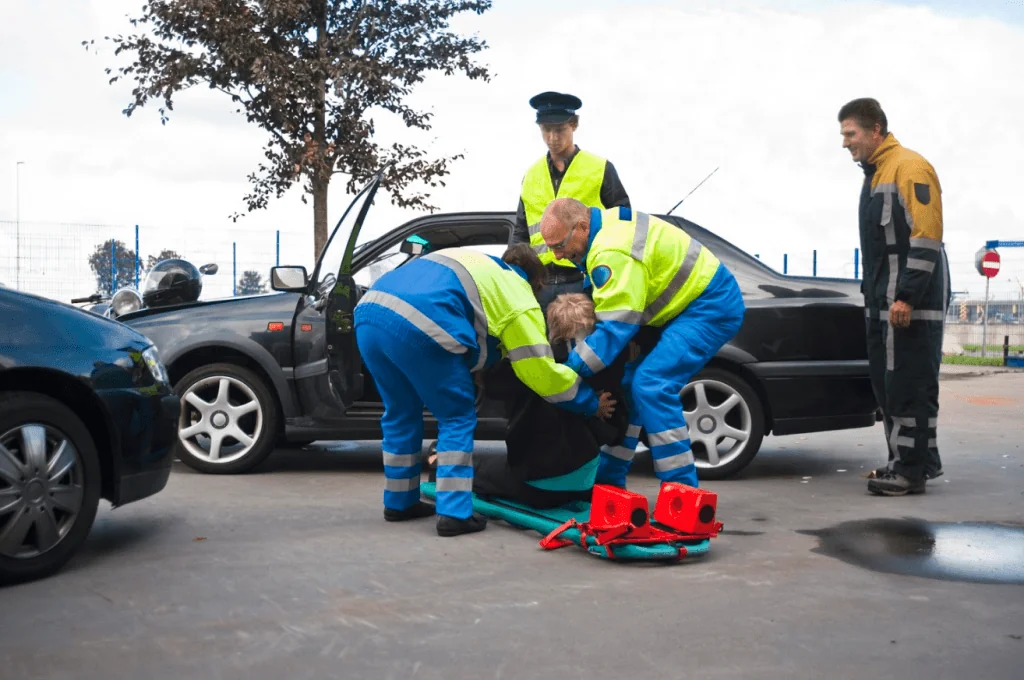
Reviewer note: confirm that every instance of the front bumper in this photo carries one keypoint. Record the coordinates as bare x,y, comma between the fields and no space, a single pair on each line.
144,428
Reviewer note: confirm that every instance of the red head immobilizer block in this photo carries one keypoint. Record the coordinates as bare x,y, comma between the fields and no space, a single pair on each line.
686,509
612,506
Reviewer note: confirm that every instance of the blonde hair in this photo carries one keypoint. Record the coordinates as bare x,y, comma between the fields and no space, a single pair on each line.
570,315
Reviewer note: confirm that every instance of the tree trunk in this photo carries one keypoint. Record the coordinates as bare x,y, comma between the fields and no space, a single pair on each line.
319,214
321,170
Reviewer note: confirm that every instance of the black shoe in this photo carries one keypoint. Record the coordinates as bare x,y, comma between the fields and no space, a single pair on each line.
892,484
452,526
417,511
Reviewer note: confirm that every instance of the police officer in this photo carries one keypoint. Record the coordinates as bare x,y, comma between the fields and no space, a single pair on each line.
647,272
422,330
565,171
906,293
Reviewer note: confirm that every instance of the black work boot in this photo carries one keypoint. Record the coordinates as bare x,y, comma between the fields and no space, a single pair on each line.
420,509
453,526
890,483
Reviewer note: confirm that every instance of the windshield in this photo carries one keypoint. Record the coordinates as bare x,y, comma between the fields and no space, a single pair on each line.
334,252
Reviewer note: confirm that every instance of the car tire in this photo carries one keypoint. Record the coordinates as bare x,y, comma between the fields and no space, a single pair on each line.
83,477
205,411
746,416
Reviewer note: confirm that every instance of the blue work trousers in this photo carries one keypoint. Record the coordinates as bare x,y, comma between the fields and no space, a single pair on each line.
410,370
654,382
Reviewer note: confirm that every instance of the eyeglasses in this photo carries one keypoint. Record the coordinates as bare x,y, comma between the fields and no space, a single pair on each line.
565,241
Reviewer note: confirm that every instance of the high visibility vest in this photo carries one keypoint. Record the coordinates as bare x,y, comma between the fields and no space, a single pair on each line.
655,269
582,181
644,272
433,293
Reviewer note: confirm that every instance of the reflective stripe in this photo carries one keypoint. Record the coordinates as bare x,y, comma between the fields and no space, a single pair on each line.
894,273
887,216
643,222
676,284
620,452
633,431
892,440
534,228
479,317
541,249
916,315
923,265
401,485
567,395
454,458
905,441
904,421
589,357
890,233
530,352
678,434
400,460
933,422
454,484
925,242
416,318
933,443
890,352
885,187
623,315
673,462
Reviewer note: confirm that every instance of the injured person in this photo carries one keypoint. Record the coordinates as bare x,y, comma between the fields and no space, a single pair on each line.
553,453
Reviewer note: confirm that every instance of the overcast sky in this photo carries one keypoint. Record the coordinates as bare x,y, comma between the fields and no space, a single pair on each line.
670,90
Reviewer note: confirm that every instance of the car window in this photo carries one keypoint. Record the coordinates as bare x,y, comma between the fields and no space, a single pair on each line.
495,249
381,265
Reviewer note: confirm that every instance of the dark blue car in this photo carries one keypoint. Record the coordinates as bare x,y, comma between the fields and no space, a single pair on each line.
86,413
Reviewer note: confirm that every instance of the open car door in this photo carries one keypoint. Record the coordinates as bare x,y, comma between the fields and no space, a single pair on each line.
328,370
344,366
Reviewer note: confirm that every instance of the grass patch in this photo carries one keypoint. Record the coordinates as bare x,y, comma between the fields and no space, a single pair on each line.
971,361
993,348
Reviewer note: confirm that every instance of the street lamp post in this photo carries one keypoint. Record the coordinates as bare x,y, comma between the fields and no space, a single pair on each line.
17,222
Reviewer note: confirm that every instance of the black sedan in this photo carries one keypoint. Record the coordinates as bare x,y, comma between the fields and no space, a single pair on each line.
86,412
255,372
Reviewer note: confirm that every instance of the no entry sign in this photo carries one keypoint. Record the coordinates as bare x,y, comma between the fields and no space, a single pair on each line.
990,264
986,261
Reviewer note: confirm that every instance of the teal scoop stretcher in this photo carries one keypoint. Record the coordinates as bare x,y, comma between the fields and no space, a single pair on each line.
573,520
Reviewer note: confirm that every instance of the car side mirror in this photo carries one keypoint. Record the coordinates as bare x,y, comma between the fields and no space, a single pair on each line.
414,245
208,269
291,279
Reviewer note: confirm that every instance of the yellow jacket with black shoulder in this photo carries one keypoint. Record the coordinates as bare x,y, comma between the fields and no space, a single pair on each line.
901,234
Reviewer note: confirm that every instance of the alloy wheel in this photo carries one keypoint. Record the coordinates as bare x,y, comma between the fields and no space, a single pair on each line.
221,419
719,422
41,489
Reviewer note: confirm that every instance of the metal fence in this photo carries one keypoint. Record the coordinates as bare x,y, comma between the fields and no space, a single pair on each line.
969,333
64,261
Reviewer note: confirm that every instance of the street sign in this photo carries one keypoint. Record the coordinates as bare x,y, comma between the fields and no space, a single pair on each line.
990,264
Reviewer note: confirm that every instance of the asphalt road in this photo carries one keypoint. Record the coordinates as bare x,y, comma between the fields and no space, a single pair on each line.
292,573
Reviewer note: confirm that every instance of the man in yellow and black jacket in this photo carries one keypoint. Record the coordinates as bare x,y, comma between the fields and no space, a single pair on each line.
906,293
566,171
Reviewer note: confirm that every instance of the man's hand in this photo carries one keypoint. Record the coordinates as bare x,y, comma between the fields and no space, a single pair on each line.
899,314
605,405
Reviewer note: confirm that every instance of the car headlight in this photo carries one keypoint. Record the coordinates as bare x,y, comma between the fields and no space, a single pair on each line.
156,367
125,301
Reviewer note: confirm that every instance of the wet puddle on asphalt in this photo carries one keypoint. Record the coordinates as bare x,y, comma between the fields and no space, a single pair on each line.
962,551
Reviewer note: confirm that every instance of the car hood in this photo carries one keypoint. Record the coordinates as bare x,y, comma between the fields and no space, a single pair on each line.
44,322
